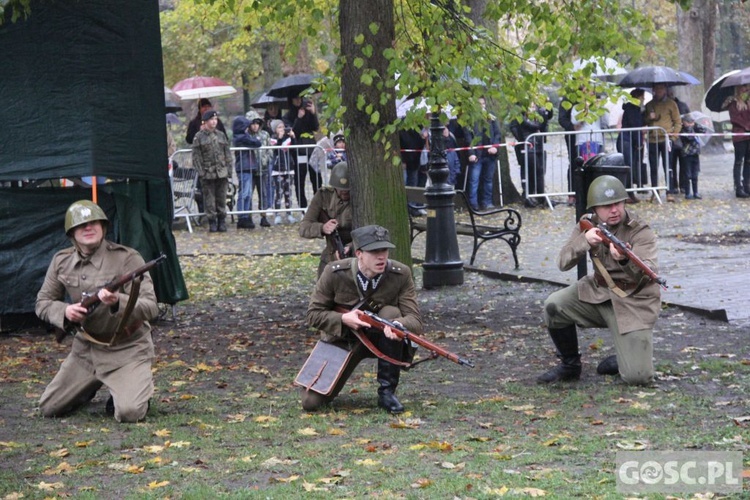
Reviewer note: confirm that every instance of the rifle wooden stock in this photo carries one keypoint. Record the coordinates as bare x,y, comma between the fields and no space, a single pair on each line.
376,321
91,301
607,238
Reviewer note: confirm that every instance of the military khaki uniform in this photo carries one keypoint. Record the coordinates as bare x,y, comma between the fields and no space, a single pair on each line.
212,159
395,298
125,366
324,206
629,312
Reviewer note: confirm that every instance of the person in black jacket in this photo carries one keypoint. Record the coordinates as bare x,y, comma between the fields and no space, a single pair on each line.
534,122
302,118
631,141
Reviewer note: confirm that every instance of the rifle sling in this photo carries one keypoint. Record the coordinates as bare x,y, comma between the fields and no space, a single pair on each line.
607,278
371,347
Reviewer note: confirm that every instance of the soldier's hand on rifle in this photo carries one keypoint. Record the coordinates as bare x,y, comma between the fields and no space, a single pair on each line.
616,253
351,319
107,297
330,226
75,313
593,236
388,331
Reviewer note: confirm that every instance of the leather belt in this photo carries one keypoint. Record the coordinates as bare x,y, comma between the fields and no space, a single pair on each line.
622,285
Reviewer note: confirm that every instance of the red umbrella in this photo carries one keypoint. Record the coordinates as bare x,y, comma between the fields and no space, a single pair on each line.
197,87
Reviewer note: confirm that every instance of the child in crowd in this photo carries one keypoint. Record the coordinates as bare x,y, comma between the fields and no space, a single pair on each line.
691,150
338,153
283,168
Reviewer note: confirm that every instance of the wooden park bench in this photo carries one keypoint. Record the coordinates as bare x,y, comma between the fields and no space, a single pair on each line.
485,225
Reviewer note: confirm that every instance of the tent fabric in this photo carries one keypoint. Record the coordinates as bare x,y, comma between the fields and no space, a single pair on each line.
30,239
83,91
83,95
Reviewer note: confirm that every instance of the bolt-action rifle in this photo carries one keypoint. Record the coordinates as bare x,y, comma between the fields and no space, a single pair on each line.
607,238
376,321
91,300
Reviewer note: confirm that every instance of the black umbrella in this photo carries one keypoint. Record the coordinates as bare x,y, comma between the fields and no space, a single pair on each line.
648,76
741,77
264,100
291,86
718,92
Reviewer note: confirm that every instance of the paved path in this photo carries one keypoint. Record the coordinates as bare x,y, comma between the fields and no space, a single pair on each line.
710,277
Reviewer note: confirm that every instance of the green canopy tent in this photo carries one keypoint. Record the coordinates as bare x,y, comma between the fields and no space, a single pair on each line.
82,91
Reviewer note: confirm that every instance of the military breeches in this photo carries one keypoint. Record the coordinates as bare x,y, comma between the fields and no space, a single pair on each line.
87,367
634,349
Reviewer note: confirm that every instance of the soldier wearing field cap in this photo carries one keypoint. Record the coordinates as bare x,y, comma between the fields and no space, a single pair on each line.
618,295
369,281
112,345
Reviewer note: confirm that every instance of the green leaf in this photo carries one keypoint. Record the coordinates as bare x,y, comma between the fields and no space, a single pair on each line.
374,28
358,62
375,117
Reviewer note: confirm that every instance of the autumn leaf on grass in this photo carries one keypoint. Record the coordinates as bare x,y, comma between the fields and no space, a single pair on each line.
524,408
153,484
50,486
85,444
258,369
10,444
409,423
135,469
177,444
62,468
336,432
330,480
632,445
163,433
153,448
285,479
61,453
273,462
236,418
421,483
307,431
451,465
368,462
531,492
265,418
312,487
185,397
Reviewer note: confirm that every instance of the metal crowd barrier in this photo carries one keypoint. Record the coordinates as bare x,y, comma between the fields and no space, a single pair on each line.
184,182
557,172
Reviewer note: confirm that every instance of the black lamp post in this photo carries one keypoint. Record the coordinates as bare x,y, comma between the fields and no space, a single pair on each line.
442,262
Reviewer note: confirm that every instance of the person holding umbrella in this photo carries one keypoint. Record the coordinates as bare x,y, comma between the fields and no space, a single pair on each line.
739,115
302,117
662,112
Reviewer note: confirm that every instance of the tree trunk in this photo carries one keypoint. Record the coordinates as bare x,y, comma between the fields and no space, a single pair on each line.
378,194
690,51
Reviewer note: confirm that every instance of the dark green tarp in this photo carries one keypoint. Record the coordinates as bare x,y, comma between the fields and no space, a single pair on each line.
83,95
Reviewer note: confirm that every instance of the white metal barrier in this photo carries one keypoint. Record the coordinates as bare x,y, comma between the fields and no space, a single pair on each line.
182,173
557,172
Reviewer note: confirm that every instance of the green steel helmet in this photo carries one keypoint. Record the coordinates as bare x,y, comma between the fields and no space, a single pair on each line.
340,176
81,212
605,190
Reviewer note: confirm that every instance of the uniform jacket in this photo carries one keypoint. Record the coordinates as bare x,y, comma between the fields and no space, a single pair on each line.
211,155
667,116
195,125
326,205
637,311
71,275
338,286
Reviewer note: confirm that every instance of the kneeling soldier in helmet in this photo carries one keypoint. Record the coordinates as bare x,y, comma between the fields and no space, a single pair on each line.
330,212
618,295
113,343
370,281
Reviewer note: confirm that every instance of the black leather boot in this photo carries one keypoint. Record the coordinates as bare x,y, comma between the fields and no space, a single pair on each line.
608,366
566,341
212,225
388,376
222,225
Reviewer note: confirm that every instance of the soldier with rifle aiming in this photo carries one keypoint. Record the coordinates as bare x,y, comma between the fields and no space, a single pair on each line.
112,344
329,216
370,281
622,293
